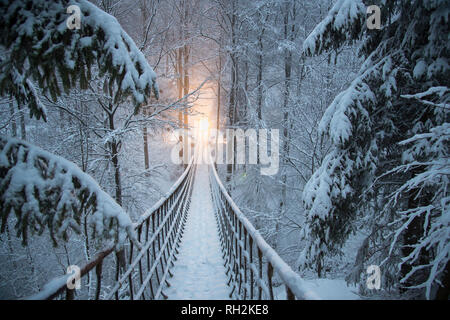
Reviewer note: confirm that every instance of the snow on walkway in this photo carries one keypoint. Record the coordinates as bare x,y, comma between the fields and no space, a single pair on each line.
325,289
199,272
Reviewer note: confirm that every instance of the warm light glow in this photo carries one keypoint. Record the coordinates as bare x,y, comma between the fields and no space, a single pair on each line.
202,131
203,125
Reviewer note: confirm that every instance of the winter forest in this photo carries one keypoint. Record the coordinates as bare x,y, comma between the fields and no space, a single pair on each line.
111,109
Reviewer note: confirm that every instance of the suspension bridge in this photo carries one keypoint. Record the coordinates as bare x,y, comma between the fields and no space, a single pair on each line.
196,244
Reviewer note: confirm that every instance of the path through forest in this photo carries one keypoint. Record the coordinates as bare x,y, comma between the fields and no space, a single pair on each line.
199,272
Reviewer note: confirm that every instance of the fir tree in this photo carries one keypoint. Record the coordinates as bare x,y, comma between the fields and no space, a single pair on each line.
40,53
47,192
389,164
38,47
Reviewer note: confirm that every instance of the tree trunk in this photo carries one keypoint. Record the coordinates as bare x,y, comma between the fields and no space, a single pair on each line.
115,160
13,119
232,101
23,130
120,255
219,87
286,138
186,92
179,54
319,265
117,181
146,159
259,84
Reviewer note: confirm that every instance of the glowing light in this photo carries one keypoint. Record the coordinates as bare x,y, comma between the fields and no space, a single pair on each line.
203,125
203,129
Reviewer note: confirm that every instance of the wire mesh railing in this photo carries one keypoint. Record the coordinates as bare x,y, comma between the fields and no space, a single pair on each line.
140,273
250,262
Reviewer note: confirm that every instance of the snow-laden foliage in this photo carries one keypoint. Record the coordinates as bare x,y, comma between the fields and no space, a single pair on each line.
37,45
390,142
429,152
332,195
47,192
343,23
25,92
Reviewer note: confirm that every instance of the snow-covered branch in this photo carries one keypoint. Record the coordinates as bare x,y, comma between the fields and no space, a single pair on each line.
40,47
344,22
45,191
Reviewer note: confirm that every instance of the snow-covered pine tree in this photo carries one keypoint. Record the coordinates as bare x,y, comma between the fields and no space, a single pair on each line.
389,129
39,52
37,47
47,192
426,161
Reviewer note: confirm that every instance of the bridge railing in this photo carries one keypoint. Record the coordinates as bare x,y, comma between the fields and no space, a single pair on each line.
139,273
249,260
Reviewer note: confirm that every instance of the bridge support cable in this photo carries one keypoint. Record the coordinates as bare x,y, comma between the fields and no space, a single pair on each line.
159,231
250,262
148,272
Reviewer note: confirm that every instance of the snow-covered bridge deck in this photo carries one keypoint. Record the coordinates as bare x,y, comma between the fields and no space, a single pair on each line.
199,271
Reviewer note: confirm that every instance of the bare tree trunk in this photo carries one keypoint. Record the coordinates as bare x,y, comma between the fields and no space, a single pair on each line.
186,92
117,181
84,152
9,240
232,101
288,35
114,145
23,130
121,255
145,17
319,265
183,80
259,79
146,158
259,84
13,119
219,88
179,67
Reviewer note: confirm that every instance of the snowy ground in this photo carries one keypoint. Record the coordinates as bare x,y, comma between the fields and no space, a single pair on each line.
199,272
332,289
325,289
